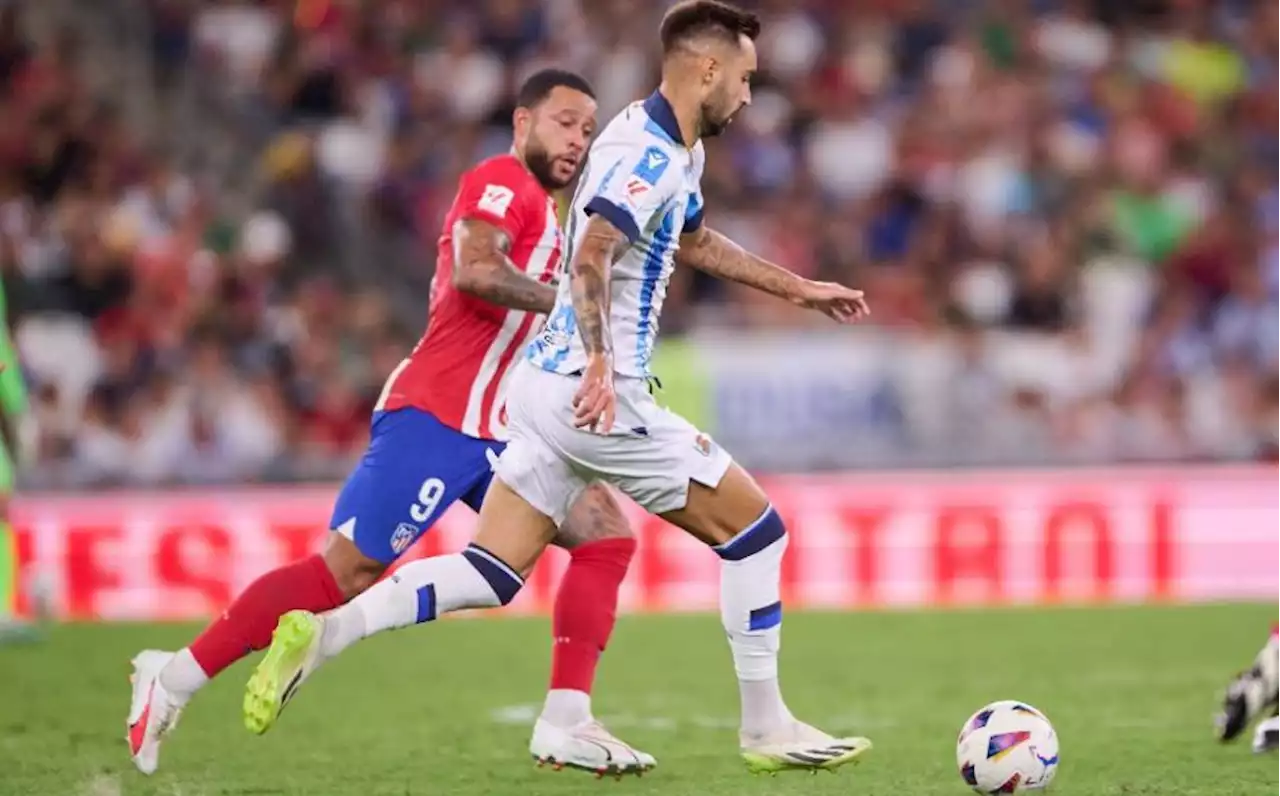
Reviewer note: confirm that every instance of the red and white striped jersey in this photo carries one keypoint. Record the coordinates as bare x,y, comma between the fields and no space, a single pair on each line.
459,370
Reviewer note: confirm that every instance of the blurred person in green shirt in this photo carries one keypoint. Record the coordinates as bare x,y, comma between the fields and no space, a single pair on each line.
13,404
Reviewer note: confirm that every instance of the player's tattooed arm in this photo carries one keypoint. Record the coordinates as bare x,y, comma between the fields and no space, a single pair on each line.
713,253
600,245
482,268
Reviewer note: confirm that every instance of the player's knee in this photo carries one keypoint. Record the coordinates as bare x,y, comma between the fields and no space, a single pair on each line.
717,515
501,577
767,530
353,571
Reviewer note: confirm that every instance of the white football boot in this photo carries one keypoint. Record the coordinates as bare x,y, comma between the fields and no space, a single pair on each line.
1251,693
1266,737
153,712
799,747
589,747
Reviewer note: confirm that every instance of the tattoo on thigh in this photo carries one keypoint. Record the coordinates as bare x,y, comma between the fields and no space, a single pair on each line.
595,516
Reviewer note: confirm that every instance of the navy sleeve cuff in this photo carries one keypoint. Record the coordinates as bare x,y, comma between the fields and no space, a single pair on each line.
692,224
615,215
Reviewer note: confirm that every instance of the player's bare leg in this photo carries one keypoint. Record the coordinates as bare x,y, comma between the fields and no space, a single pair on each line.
600,544
163,682
735,517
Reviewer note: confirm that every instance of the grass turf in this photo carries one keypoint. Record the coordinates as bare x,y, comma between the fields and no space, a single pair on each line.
446,709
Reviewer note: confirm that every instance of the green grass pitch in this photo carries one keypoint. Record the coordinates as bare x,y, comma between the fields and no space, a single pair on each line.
446,709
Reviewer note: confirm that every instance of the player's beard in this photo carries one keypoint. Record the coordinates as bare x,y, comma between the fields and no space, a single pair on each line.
540,162
715,121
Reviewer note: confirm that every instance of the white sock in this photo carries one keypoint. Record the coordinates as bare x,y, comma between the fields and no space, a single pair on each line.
182,676
751,610
566,708
419,592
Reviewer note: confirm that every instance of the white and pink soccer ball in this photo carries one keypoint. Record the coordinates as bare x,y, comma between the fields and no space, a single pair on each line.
1007,747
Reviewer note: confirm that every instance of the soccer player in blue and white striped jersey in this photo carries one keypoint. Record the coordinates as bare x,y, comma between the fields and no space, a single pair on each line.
579,405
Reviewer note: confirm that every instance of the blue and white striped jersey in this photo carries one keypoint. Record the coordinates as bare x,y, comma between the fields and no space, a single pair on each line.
642,178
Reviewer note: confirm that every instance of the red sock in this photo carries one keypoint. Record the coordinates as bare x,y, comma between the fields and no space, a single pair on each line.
586,608
247,625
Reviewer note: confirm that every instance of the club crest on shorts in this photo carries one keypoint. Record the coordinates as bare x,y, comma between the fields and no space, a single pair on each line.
403,537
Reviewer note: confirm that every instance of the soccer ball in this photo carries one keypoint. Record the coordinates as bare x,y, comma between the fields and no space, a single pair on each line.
1007,747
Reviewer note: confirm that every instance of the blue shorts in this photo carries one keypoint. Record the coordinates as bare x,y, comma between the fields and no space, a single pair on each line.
414,469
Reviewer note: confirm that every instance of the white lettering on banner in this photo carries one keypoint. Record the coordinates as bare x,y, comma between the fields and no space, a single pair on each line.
857,540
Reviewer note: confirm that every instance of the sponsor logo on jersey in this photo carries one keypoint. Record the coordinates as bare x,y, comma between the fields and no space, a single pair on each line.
648,170
652,164
636,189
496,199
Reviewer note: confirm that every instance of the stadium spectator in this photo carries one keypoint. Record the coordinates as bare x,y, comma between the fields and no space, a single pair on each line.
213,289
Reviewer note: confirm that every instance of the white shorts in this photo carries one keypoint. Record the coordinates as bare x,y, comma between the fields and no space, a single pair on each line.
651,454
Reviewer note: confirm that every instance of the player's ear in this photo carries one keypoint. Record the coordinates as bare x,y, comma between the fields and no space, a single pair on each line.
520,121
710,68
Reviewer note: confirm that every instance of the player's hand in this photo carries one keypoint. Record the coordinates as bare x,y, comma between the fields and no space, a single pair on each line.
595,401
843,304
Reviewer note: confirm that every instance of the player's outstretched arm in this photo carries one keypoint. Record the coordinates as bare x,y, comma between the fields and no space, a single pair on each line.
482,268
713,253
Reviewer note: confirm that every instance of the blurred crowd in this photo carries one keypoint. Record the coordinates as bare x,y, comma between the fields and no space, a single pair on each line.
214,290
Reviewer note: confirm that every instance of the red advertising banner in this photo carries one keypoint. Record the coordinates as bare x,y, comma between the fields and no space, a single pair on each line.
1024,537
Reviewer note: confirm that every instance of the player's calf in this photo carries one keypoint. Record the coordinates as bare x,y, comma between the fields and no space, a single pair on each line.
418,592
750,538
488,574
421,591
601,546
247,623
751,610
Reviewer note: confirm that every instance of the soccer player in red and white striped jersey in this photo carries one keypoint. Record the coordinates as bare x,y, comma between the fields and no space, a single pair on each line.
458,371
436,429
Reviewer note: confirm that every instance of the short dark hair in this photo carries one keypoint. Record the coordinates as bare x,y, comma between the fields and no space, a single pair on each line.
693,18
538,86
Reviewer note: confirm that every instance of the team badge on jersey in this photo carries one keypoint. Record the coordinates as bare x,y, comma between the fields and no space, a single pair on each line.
403,537
702,443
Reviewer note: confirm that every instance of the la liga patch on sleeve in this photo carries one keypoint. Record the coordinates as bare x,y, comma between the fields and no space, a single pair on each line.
496,199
